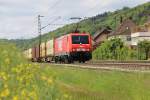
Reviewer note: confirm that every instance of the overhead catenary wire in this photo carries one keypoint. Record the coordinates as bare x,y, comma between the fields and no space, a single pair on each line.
54,5
58,17
58,2
51,22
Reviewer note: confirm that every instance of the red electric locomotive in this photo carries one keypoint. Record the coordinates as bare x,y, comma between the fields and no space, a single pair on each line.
73,47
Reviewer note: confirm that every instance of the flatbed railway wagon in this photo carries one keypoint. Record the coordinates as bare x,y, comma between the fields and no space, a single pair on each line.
73,47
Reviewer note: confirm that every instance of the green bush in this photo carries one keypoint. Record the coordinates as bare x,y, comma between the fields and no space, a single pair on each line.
114,50
144,49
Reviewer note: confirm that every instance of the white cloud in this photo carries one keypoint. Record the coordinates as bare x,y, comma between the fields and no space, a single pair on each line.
19,17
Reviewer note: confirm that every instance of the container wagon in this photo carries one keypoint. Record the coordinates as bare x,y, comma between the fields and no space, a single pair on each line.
36,54
28,53
44,52
49,50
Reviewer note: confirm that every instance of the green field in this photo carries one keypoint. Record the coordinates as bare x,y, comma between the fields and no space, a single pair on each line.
23,80
101,85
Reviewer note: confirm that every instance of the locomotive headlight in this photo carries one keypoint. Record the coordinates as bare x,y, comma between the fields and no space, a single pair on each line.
78,49
83,49
87,49
74,50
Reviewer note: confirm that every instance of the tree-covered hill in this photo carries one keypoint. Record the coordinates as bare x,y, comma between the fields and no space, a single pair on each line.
139,15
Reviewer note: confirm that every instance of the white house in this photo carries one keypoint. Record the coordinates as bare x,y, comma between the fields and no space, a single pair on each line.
139,36
124,31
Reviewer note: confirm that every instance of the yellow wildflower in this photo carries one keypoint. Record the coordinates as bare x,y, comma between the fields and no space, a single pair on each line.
4,76
20,79
33,95
15,98
23,93
50,81
30,65
5,86
66,96
7,60
44,78
5,93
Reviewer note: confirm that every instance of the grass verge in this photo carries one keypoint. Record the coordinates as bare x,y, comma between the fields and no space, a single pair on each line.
21,80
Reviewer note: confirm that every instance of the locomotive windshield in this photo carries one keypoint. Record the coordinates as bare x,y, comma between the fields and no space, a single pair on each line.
80,39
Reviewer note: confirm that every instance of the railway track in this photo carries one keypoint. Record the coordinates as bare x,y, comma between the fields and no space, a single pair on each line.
119,66
122,66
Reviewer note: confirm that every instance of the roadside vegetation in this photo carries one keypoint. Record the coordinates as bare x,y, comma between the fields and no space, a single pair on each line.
115,49
22,80
144,47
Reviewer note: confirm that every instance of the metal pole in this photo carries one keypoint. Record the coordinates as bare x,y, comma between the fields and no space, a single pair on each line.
76,18
39,32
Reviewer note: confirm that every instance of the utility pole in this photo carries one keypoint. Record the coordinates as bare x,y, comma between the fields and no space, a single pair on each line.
40,28
39,32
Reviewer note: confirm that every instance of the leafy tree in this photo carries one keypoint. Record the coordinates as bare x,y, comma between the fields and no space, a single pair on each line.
144,47
115,44
114,50
108,50
126,8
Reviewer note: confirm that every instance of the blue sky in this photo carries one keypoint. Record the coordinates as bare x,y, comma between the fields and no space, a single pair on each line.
19,17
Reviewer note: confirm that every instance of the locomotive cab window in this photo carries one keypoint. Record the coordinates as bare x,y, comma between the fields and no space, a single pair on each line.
80,39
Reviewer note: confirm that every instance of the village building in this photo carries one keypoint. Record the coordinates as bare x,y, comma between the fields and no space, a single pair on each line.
101,35
127,31
141,35
124,31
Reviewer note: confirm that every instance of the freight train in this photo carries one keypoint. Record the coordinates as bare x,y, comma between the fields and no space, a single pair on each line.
67,49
